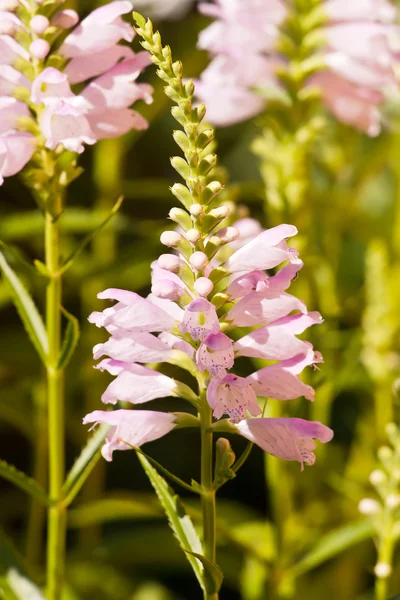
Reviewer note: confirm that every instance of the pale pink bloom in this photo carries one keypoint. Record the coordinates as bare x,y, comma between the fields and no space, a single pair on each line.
363,10
362,73
139,347
166,284
176,343
248,229
65,19
10,111
10,51
10,78
198,260
215,354
8,5
281,381
203,286
282,280
136,427
50,84
132,313
356,106
16,150
117,88
278,340
81,68
9,23
169,262
263,307
266,251
64,122
135,383
290,439
200,319
232,395
373,41
102,29
258,281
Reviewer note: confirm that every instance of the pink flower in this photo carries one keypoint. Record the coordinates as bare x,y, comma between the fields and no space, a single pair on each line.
102,29
10,111
262,307
141,347
200,319
232,395
81,68
50,84
290,439
10,51
10,78
16,150
136,427
64,122
216,354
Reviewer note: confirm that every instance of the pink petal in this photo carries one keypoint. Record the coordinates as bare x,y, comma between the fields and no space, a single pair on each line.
114,122
132,313
280,381
136,427
139,347
102,29
117,88
232,395
176,343
263,251
10,78
51,83
10,51
64,122
364,10
200,319
277,341
10,110
135,383
16,150
263,307
216,354
85,67
289,439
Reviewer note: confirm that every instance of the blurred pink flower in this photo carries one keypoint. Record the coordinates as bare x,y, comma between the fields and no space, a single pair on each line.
16,150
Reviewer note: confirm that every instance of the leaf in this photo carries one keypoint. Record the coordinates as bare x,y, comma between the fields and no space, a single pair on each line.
213,575
9,555
88,238
331,545
179,521
71,339
27,310
84,464
112,509
25,483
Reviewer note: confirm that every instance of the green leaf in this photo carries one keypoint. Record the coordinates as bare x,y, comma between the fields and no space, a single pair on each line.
9,555
332,544
108,510
179,521
84,464
88,238
25,483
71,339
213,575
26,308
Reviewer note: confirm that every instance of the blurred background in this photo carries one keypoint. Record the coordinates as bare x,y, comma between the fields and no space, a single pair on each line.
282,533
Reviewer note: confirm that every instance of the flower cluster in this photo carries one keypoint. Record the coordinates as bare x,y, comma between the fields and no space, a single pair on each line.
182,310
38,66
349,54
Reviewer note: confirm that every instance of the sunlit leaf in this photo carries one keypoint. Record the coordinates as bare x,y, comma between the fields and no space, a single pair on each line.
71,339
26,308
213,575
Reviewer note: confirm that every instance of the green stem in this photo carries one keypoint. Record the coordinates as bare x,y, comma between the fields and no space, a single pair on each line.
385,556
208,493
55,397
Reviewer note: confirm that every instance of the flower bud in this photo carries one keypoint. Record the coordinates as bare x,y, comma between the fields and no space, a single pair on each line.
39,24
193,235
221,212
198,260
228,234
39,48
196,210
203,286
368,506
182,194
211,191
180,216
65,19
169,262
170,238
167,289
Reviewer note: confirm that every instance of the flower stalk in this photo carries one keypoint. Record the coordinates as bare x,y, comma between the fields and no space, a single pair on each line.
56,430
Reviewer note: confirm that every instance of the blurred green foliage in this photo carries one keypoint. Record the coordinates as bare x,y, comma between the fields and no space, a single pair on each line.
119,544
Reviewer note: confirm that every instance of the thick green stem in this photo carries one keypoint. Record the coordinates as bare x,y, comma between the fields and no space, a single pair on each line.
385,556
56,531
208,495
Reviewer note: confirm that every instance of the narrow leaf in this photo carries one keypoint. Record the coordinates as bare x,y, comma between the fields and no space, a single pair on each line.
332,544
179,521
24,482
88,238
71,339
26,308
84,464
213,575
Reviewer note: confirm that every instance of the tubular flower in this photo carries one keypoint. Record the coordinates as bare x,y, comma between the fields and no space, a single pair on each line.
351,58
56,115
216,278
